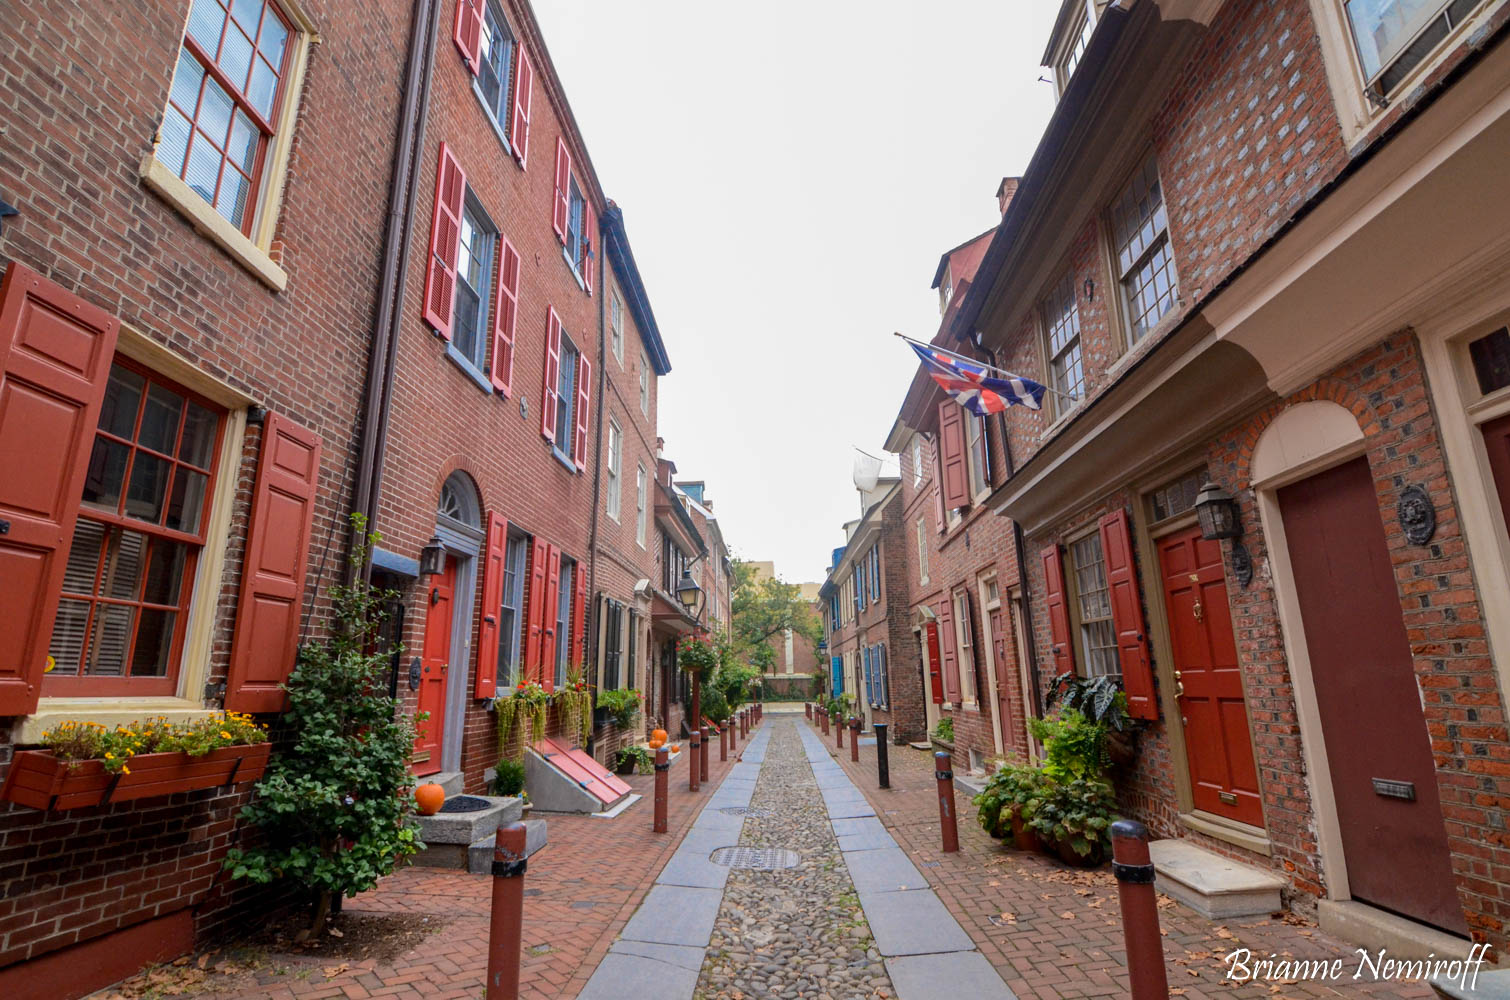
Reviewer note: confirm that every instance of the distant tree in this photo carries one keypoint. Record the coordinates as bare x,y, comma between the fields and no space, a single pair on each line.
764,609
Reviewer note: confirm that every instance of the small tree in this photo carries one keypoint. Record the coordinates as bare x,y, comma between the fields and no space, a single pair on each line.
761,610
335,807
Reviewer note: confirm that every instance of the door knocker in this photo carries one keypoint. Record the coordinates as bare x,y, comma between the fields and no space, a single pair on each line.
1198,611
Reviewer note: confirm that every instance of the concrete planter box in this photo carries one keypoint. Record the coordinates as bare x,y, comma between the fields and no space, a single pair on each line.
40,780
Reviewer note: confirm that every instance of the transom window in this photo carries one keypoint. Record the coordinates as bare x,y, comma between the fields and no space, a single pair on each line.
223,106
1491,360
508,613
615,455
1177,497
1098,636
474,273
566,397
1061,320
1393,37
140,531
1140,235
616,325
495,57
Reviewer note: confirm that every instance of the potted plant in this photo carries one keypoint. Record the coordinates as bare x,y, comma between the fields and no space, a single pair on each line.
634,759
1101,700
1074,817
943,733
621,706
508,777
520,717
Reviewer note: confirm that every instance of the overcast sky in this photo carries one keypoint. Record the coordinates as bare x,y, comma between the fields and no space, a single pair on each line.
790,173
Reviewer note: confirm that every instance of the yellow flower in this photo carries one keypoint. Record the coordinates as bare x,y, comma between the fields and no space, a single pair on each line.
125,770
224,735
110,756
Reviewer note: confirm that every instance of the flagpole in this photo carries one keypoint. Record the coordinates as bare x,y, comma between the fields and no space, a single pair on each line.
983,364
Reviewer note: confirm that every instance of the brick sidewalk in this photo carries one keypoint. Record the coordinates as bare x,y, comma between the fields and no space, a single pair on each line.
579,892
1053,931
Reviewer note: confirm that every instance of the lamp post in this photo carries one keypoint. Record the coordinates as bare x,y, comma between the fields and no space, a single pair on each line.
690,595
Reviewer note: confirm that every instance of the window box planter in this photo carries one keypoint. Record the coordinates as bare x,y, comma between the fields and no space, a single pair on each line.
40,780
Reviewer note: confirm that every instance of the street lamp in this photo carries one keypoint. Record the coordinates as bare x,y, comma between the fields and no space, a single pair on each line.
690,594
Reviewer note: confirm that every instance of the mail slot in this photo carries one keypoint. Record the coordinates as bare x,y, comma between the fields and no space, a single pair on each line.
1230,798
1395,789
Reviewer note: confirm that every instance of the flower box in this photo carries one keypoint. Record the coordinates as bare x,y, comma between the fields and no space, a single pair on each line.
40,780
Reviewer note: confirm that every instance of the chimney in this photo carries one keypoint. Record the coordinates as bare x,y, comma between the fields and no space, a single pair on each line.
1004,193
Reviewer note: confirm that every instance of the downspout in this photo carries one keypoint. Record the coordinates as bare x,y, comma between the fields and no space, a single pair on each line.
597,466
383,359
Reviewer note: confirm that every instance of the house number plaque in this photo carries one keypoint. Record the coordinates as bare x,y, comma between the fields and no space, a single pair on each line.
1395,789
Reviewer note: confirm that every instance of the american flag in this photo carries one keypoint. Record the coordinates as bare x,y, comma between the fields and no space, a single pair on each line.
974,388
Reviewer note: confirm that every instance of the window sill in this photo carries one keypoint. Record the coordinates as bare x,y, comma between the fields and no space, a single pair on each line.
463,362
508,147
564,459
210,223
572,267
1252,838
106,711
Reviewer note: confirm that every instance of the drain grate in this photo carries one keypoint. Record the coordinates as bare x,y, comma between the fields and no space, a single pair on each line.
764,859
745,811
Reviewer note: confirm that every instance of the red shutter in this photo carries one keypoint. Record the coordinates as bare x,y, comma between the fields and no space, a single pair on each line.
534,632
552,374
524,85
562,203
950,669
485,685
955,477
505,312
1061,649
579,618
588,242
55,353
584,377
935,665
548,617
1127,616
445,234
272,572
469,32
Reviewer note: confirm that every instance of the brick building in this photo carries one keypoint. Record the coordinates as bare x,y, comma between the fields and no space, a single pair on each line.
680,547
1260,245
188,300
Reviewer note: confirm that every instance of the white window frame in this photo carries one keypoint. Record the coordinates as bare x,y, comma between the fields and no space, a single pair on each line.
1148,247
1073,43
615,458
1098,657
641,483
616,325
644,384
1056,319
922,550
977,461
917,461
964,648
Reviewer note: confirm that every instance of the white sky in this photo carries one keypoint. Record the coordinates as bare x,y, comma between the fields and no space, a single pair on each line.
790,173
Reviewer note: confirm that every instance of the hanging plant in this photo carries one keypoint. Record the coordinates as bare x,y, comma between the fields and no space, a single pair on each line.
696,655
526,706
575,703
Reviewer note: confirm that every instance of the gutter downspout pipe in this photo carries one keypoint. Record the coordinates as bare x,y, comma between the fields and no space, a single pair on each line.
600,262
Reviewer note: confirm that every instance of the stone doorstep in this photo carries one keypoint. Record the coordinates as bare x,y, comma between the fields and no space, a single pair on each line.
480,854
1215,887
1369,927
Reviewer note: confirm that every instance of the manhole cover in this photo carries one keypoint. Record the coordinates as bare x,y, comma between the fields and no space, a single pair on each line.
465,804
764,859
744,811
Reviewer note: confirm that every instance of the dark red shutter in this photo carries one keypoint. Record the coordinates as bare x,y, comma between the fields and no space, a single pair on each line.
524,85
485,685
505,313
588,242
55,352
950,669
552,374
562,203
956,478
445,233
579,617
534,612
935,664
272,572
1061,649
1127,616
469,32
584,377
548,615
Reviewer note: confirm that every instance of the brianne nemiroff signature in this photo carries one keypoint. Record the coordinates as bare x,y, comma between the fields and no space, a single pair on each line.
1243,967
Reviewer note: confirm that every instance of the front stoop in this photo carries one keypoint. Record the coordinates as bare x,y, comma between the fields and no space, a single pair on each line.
448,836
1372,928
1215,887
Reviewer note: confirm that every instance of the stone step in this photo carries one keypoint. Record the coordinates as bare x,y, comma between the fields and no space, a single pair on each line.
447,835
480,854
1213,886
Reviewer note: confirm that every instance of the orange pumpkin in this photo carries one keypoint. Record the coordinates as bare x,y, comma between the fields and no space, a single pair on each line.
658,734
657,744
676,748
430,797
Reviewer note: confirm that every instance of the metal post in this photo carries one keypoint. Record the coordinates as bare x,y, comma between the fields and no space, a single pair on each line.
807,707
854,740
692,765
824,717
662,779
1133,867
734,733
723,739
703,757
506,919
839,730
883,764
943,770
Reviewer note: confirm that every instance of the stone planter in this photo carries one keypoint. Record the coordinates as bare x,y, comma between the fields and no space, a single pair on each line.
41,781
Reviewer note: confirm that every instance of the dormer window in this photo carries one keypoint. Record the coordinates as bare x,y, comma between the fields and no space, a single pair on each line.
946,291
1393,37
1072,41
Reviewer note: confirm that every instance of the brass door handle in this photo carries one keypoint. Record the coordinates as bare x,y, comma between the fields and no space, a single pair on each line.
1179,685
1198,611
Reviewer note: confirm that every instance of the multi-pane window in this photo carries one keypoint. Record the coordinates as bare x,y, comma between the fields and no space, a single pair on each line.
880,675
495,59
576,238
1140,236
1098,635
141,528
1176,497
1393,37
566,397
563,621
1082,32
641,481
975,452
474,270
644,385
508,613
922,550
1061,320
224,104
615,455
917,461
963,631
616,325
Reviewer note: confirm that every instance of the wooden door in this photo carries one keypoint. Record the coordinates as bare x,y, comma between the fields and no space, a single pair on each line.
1001,663
1223,776
1370,706
1497,444
935,665
435,665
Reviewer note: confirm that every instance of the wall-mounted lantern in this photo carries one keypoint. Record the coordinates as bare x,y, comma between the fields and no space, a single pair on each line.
432,558
1218,513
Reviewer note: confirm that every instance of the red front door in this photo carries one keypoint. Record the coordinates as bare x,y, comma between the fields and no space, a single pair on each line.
1223,778
1004,672
1497,444
1384,779
935,664
435,662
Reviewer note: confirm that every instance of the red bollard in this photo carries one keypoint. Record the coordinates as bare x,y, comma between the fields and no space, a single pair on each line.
692,765
734,734
1133,867
854,740
703,756
662,779
807,707
506,919
943,770
723,740
744,722
839,731
823,717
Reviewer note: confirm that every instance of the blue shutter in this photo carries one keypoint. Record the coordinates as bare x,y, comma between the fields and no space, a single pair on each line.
885,675
870,686
836,678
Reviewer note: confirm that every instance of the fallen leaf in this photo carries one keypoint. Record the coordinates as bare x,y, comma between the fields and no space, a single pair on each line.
1066,915
204,960
334,932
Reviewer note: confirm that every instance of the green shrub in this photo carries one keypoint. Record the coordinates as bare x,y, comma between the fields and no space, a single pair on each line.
1097,698
1073,746
1079,813
622,706
1014,785
944,730
508,777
